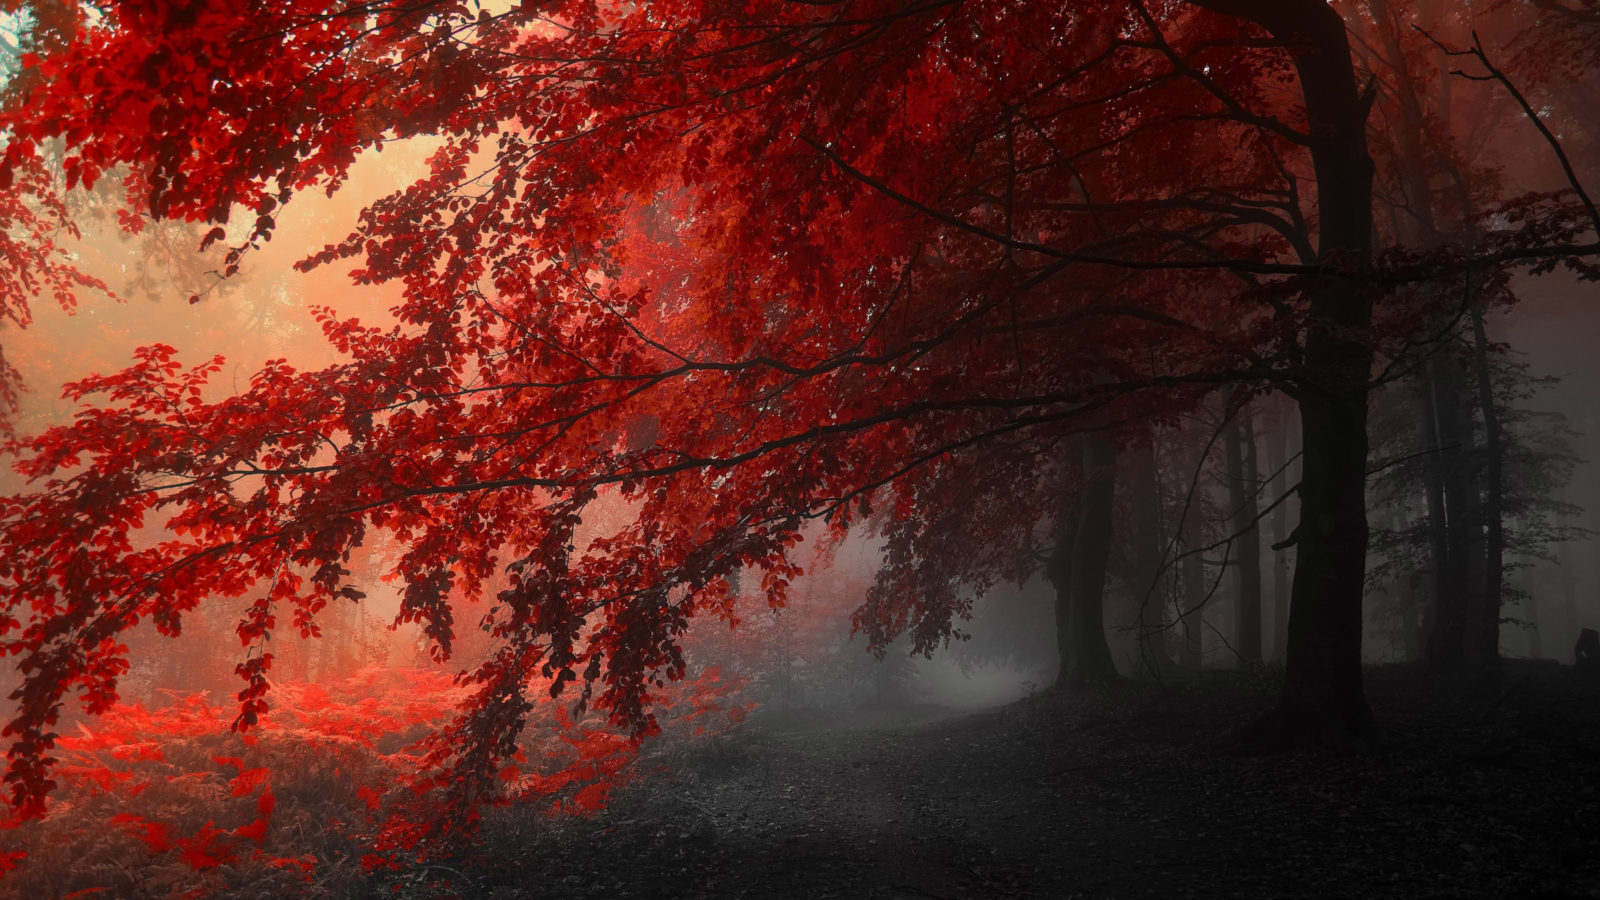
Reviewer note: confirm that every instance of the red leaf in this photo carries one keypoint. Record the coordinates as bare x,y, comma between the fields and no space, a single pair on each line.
156,835
255,831
591,798
247,781
203,851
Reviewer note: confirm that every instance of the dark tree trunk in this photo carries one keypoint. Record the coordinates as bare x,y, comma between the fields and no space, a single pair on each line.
1468,549
1062,563
1278,461
1439,595
1535,635
1243,485
1151,599
1087,656
1567,565
1323,700
1410,606
1078,569
1193,568
1447,643
1450,491
1484,648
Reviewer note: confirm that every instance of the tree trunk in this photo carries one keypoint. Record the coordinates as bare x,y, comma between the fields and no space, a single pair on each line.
1243,486
1446,644
1567,565
1409,607
1535,636
1059,570
1484,651
1278,461
1148,591
1193,569
1086,656
1469,548
1323,700
1439,594
1451,492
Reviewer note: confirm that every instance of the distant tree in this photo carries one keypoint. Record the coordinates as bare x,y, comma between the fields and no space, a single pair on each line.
1537,458
1243,477
1441,170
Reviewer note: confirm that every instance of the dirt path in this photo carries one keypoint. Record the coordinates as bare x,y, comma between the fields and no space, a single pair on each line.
881,812
917,805
1125,796
826,814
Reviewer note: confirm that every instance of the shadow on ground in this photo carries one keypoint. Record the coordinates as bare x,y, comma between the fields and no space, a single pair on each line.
1479,792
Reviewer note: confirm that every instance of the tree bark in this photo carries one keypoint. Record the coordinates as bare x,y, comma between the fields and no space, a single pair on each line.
1091,661
1440,592
1484,651
1567,565
1278,461
1411,610
1151,617
1468,549
1059,570
1447,643
1535,636
1450,487
1324,701
1193,569
1243,485
1083,549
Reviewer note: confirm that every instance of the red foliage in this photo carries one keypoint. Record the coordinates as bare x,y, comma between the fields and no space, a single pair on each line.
204,850
566,341
728,267
343,759
156,836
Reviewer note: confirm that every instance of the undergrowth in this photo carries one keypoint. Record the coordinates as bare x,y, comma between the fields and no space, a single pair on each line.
328,796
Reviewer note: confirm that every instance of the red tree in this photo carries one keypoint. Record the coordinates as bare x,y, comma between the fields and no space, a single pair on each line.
737,266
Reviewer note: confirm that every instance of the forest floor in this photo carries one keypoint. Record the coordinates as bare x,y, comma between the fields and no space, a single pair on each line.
1478,791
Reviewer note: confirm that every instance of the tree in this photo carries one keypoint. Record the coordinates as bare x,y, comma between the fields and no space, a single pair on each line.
1244,484
1444,164
1078,567
1147,576
1537,458
731,267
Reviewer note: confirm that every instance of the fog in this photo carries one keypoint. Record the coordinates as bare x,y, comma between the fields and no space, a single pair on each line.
166,291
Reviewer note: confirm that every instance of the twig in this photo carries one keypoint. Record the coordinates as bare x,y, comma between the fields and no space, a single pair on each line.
1495,74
